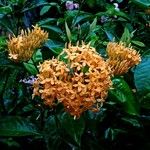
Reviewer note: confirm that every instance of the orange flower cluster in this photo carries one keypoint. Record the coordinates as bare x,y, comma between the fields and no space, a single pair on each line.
121,58
21,48
81,84
51,79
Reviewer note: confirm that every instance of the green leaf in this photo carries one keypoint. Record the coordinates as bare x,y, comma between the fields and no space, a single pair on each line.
132,121
30,68
46,21
16,126
93,24
44,10
41,3
74,128
12,78
119,1
93,119
145,103
55,46
138,43
3,81
81,17
111,134
5,10
51,126
52,132
126,36
141,75
110,35
3,43
5,62
37,57
84,28
111,11
52,28
123,95
68,31
28,108
10,142
142,3
18,2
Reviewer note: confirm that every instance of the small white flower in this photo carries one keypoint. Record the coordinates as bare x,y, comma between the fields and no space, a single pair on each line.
76,5
116,6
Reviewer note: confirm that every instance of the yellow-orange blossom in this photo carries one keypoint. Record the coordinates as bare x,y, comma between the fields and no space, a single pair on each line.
121,58
22,47
80,84
82,81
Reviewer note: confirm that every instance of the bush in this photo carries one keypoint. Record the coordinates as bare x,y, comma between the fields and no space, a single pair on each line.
74,74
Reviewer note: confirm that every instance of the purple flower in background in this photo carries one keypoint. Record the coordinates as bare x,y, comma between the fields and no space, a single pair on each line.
69,5
30,80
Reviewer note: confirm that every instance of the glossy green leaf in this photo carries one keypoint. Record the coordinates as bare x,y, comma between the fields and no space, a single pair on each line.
123,95
142,3
3,81
111,134
138,43
132,121
18,2
74,128
3,43
5,10
55,46
51,126
94,118
126,36
37,56
16,126
109,34
46,21
141,75
52,134
93,24
30,67
52,28
68,31
119,1
12,78
81,17
145,103
44,10
111,11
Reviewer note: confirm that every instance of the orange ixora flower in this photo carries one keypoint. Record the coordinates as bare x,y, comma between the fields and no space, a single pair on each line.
81,84
121,58
50,81
21,48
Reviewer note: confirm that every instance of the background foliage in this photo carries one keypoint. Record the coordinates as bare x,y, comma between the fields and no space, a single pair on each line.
123,121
